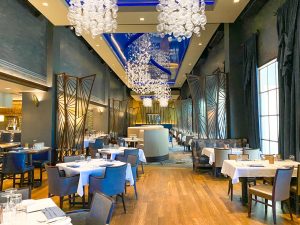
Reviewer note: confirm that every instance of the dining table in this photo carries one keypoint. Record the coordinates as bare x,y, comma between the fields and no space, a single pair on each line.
240,171
33,214
9,145
133,140
113,152
95,167
210,153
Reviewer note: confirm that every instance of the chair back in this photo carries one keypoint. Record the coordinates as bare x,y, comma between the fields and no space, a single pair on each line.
6,137
282,183
14,162
270,158
298,180
17,137
98,143
101,209
253,153
221,155
113,182
53,179
238,156
133,160
72,158
128,152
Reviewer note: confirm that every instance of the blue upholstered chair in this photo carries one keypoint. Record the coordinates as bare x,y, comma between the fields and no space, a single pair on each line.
39,161
123,158
17,137
14,163
113,183
134,162
100,213
98,144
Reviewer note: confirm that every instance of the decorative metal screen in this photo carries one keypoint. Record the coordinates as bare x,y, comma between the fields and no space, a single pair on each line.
184,114
73,97
209,99
119,117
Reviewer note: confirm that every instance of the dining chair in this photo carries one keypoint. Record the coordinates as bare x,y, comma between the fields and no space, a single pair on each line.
250,180
254,154
61,186
6,137
14,164
127,152
111,184
101,211
295,191
134,161
26,194
271,159
280,191
220,155
17,137
72,158
39,161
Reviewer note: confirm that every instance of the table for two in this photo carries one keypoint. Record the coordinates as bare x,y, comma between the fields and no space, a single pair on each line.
113,152
239,171
133,140
94,167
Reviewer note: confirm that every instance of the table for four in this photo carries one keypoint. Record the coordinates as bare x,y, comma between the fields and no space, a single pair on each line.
210,153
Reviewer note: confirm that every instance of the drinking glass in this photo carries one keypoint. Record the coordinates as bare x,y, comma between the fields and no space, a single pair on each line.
97,155
88,158
105,157
15,202
82,158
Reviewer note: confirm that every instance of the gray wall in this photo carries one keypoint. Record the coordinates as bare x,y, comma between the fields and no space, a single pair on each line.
37,121
99,120
22,37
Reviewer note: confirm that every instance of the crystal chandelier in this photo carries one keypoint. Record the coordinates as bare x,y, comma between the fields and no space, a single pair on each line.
181,18
93,16
147,102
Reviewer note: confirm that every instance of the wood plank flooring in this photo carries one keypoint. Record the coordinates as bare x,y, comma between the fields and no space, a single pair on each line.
178,196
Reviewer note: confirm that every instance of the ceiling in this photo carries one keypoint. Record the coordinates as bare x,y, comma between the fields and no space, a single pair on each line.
222,11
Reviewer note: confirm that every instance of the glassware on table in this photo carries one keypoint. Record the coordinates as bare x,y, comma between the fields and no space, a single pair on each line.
97,155
292,157
82,158
262,157
15,202
88,158
105,157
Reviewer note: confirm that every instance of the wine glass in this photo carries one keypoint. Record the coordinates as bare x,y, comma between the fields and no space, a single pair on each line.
292,157
97,155
105,157
82,157
15,201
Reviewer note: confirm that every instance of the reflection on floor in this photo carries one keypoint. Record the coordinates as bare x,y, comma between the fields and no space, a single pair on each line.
178,196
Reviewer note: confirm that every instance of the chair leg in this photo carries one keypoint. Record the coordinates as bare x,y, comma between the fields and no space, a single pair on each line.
70,197
288,202
123,200
142,167
231,190
249,205
61,201
266,206
14,180
297,204
41,174
274,211
1,182
83,200
135,191
22,180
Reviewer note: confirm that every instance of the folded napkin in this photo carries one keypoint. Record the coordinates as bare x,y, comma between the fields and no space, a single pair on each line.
257,165
73,165
60,221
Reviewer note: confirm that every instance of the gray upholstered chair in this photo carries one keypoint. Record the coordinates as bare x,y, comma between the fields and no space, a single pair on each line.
72,158
221,154
100,213
280,191
254,154
17,137
295,191
6,137
134,162
61,185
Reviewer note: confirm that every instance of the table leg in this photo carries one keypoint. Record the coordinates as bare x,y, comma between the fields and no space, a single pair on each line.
244,190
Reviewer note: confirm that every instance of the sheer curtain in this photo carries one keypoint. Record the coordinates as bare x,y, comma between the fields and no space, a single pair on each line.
288,24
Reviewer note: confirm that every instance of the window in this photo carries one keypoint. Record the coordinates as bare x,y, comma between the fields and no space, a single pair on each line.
269,107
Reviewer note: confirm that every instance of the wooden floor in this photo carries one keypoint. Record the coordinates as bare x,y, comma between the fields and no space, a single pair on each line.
177,196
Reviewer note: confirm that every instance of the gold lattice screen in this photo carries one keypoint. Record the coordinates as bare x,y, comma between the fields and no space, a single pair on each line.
73,97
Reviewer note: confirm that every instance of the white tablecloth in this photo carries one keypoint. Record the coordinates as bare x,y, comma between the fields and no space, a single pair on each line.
94,167
133,140
36,217
116,151
210,153
237,169
86,142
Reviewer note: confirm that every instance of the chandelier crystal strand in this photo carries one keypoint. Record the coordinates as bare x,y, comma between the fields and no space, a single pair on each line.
93,16
181,18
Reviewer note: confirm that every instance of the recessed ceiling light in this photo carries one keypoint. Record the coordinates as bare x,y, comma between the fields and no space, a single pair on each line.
7,88
45,4
142,19
97,45
200,43
190,64
236,1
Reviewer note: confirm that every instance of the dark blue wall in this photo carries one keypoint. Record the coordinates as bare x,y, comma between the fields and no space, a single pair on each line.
22,37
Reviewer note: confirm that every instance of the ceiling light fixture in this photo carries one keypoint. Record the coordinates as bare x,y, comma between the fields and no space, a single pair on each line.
181,18
200,44
93,16
142,19
45,4
236,1
147,102
7,88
